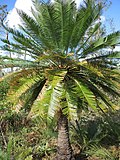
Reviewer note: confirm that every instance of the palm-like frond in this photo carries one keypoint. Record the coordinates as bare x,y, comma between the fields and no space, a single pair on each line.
70,67
6,62
20,83
85,94
104,42
50,95
71,108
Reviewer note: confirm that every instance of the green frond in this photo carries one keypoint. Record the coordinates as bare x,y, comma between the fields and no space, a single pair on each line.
72,105
104,57
54,18
115,55
70,67
6,62
101,96
56,100
22,43
13,77
19,83
48,99
16,79
91,69
85,17
14,95
109,87
18,48
39,31
85,94
30,95
92,31
103,42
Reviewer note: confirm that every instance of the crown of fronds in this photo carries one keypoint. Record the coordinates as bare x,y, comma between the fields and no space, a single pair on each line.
70,67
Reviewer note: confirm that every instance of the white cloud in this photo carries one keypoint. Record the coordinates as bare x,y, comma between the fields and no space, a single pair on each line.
13,18
24,5
78,2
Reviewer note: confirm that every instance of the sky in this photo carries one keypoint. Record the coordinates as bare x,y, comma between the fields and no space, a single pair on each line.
112,13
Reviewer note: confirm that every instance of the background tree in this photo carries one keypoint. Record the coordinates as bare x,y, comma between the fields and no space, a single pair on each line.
3,32
3,14
68,71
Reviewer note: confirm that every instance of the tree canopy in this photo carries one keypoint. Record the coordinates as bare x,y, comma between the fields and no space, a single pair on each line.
68,68
73,66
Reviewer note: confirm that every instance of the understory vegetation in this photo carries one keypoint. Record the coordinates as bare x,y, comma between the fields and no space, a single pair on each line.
93,136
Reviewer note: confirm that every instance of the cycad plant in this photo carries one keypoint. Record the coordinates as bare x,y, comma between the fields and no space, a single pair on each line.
67,69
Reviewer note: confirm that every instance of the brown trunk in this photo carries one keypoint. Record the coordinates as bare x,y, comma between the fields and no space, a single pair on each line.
64,148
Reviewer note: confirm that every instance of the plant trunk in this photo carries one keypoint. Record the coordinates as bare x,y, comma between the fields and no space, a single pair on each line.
64,148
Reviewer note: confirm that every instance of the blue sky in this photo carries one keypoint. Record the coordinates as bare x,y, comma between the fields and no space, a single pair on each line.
10,3
113,12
